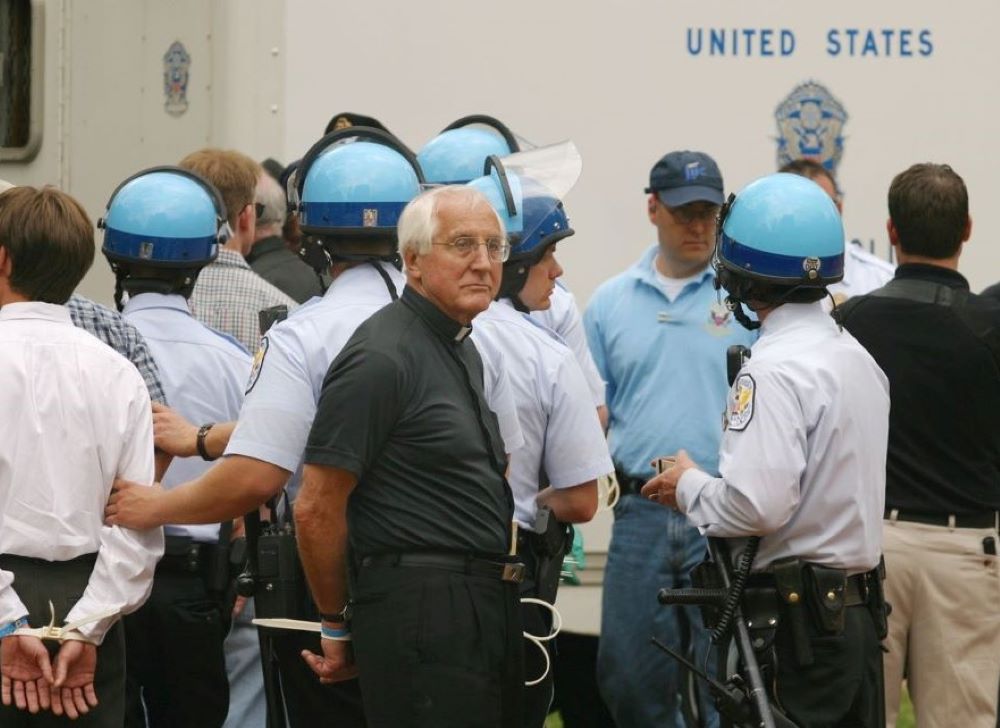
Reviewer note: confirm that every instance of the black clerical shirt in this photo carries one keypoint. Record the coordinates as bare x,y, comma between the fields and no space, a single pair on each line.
402,408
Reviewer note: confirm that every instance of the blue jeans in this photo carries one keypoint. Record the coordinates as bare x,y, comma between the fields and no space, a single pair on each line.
651,547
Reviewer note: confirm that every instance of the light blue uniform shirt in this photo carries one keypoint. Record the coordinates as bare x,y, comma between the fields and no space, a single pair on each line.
203,373
664,363
295,355
564,445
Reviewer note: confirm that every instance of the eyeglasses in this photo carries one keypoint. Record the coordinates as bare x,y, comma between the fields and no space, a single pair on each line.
687,214
497,249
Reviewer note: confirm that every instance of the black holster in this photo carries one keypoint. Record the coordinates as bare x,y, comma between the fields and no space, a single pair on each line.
879,608
548,547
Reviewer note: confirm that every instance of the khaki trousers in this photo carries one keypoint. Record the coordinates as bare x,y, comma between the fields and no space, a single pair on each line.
944,629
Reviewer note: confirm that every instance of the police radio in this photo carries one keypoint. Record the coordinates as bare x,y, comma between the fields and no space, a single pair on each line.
272,574
736,357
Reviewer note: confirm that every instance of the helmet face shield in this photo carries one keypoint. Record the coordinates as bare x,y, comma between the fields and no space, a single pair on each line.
526,190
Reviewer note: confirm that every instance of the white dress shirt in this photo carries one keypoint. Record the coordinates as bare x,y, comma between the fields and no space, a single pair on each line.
295,355
564,445
203,373
802,461
563,317
76,414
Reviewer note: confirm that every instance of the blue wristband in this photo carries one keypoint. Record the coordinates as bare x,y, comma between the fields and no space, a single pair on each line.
339,634
13,627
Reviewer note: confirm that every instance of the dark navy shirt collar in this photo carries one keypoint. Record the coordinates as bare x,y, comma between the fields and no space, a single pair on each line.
934,273
434,317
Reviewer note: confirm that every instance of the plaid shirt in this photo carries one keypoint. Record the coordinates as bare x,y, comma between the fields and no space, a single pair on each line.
229,295
112,328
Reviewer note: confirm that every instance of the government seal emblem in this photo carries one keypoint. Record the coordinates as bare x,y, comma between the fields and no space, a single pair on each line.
176,65
810,124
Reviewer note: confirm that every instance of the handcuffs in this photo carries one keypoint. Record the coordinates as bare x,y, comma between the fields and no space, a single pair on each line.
68,632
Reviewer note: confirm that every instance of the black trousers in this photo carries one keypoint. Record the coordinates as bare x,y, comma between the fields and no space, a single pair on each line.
176,667
537,621
63,582
843,686
308,703
577,697
437,649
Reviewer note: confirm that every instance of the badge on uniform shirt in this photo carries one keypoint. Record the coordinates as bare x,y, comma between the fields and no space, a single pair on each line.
719,317
741,398
258,364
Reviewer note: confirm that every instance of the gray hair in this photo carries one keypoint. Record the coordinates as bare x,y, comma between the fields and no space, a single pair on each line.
272,197
418,223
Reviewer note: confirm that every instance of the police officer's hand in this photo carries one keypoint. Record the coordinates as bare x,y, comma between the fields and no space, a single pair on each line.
25,673
172,433
73,691
133,505
663,487
336,664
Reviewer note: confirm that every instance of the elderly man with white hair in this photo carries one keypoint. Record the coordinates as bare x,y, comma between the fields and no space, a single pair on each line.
270,257
406,471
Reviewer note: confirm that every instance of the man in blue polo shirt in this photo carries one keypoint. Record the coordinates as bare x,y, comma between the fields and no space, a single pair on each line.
659,334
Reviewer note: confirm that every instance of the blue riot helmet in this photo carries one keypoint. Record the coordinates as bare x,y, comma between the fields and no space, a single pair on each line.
457,154
780,240
349,191
164,219
534,218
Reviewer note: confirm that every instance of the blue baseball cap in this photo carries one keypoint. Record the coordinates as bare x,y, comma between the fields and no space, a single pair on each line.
683,177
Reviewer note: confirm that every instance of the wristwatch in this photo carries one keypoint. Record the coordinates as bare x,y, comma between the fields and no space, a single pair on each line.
343,616
200,441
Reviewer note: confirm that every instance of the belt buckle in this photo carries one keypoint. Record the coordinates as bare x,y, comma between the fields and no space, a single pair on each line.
513,572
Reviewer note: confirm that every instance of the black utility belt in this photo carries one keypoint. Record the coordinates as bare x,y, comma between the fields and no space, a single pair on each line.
987,519
796,594
182,554
509,571
824,586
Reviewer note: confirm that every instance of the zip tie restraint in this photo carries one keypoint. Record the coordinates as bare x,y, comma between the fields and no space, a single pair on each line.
67,631
538,640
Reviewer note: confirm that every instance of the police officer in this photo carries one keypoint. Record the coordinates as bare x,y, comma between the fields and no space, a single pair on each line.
162,227
802,461
553,477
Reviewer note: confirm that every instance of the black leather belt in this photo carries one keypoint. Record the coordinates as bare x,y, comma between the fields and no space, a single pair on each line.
512,571
988,519
627,485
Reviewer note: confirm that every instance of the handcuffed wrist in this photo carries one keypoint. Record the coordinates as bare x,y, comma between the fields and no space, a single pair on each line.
8,629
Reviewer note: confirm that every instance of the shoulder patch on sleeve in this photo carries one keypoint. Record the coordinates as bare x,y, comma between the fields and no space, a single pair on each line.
741,401
258,364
